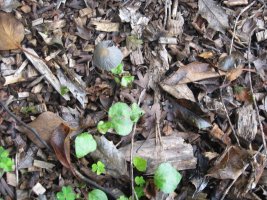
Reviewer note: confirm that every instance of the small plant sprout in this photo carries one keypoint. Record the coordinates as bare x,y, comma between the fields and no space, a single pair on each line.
97,194
121,118
6,163
66,193
118,70
139,180
123,198
98,168
139,189
84,144
127,80
140,163
64,90
107,56
167,178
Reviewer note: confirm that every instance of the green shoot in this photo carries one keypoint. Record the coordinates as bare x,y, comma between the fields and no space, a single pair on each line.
140,163
6,163
64,90
98,168
84,144
167,178
139,180
121,118
127,80
66,193
118,70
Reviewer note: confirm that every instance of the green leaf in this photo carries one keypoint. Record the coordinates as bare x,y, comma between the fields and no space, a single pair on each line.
66,194
127,80
98,168
84,144
97,194
167,178
6,163
117,80
123,198
64,90
119,115
137,112
103,127
139,180
118,70
139,190
140,163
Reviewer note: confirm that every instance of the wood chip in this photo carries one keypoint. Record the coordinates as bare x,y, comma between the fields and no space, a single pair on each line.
137,57
11,179
25,8
106,26
89,12
38,189
173,150
43,164
167,40
261,35
37,21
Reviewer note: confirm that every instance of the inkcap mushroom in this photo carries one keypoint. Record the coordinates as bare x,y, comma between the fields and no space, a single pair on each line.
107,56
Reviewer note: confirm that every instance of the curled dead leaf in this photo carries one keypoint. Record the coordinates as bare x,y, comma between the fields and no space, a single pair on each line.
11,31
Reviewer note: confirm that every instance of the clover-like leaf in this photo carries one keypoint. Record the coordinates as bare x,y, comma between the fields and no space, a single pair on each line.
103,127
140,163
84,144
66,193
167,178
119,115
98,168
127,80
137,112
6,163
97,194
118,70
139,180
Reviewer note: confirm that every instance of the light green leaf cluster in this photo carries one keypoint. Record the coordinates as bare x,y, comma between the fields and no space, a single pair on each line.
6,163
98,168
84,144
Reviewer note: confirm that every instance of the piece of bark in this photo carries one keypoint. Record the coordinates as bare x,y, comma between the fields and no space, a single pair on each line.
38,189
167,40
43,164
11,179
137,57
105,25
173,150
261,35
246,123
40,65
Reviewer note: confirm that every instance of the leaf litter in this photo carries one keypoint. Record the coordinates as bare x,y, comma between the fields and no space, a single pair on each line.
199,73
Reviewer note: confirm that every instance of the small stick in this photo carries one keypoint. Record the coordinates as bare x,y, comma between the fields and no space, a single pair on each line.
242,11
253,97
25,125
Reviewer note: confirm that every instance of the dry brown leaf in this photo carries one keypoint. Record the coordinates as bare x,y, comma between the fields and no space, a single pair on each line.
11,31
44,124
234,74
230,164
58,141
214,14
217,133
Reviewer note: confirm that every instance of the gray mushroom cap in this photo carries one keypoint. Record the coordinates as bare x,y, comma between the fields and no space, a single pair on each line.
106,55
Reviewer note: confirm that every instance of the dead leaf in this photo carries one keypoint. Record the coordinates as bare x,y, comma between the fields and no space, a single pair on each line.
234,74
11,31
44,124
105,25
214,14
217,133
230,164
192,72
57,141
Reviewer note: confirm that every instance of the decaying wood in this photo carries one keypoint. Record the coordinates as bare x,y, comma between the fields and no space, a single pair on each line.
173,150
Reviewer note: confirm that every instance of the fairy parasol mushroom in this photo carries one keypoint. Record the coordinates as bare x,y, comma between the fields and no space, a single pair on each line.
107,56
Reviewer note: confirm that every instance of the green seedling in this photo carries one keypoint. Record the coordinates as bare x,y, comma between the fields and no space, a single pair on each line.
118,70
121,118
127,80
84,144
139,189
139,180
6,163
123,198
166,178
140,163
28,109
97,194
64,90
98,168
66,193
